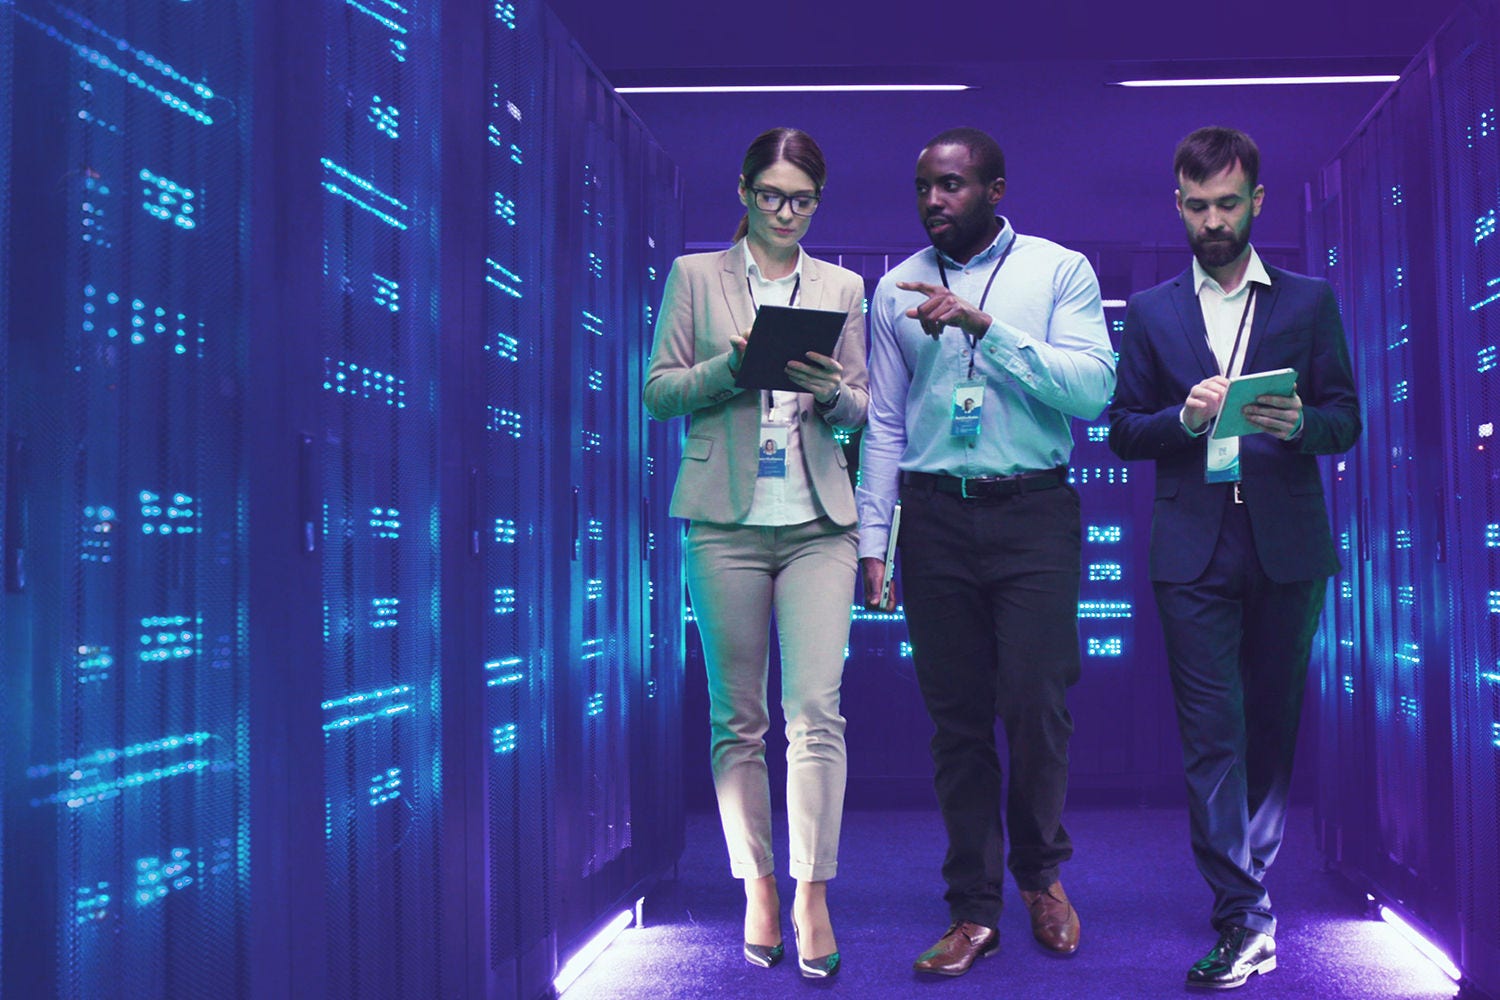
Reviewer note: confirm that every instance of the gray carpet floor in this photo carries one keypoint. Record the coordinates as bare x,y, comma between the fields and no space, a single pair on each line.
1143,906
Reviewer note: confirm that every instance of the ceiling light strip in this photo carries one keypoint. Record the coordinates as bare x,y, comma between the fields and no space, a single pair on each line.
795,88
1253,81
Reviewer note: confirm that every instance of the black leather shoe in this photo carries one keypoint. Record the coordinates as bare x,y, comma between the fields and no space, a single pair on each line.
956,950
764,955
1239,953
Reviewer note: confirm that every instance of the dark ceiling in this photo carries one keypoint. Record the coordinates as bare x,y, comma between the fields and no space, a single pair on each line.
665,34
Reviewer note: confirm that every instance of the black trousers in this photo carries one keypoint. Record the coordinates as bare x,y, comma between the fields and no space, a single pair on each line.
1238,645
991,595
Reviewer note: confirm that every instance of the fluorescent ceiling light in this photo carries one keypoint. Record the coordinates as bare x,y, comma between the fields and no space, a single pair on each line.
794,88
1254,81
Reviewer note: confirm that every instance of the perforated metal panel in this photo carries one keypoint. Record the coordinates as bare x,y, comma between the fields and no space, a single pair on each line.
126,776
1467,146
381,509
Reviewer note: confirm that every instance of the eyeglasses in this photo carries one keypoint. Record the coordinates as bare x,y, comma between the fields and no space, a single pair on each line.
771,201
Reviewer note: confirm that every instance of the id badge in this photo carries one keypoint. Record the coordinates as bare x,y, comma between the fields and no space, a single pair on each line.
968,405
1223,464
773,441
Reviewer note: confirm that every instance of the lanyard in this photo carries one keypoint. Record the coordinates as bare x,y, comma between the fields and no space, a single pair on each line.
796,287
1239,333
943,274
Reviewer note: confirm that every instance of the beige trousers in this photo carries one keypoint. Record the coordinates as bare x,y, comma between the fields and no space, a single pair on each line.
736,576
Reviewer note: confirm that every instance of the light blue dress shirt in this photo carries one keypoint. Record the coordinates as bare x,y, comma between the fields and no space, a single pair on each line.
1046,358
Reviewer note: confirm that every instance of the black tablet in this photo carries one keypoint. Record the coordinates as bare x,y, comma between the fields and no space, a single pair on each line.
783,334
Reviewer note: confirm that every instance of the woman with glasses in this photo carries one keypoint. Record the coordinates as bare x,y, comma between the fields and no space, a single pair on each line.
772,530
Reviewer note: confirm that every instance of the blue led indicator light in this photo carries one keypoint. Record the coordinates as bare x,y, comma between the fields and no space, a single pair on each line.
336,187
1106,609
592,649
504,672
595,704
592,441
385,787
167,200
1410,654
596,530
386,292
505,13
504,421
505,600
594,590
1486,358
1348,684
1112,646
1104,534
385,117
1098,433
1401,391
506,347
1105,572
504,738
385,612
385,522
596,380
503,278
505,208
593,324
505,531
384,22
361,699
596,263
1484,227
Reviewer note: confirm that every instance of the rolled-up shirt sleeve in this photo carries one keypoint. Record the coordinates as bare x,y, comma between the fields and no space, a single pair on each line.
885,429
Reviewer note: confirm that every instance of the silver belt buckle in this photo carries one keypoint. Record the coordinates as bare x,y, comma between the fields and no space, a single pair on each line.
1238,498
963,487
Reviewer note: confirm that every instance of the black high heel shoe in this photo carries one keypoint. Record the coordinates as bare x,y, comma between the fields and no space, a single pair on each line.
765,956
814,968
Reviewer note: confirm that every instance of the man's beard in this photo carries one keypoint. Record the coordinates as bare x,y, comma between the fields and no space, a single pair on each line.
1220,251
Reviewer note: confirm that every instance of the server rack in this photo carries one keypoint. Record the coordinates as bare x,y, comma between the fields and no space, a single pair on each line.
299,682
1401,223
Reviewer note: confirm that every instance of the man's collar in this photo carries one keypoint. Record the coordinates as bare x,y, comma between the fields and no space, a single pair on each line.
751,267
1255,271
1002,240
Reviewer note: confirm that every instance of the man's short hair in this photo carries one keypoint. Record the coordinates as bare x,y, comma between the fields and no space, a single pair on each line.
982,147
1209,151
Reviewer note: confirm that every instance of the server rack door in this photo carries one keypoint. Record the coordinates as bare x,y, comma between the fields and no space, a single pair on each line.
376,450
8,507
657,243
1411,854
526,520
1345,787
1466,148
126,859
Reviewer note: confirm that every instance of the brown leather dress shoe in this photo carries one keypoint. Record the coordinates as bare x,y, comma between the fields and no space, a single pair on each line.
957,948
1054,922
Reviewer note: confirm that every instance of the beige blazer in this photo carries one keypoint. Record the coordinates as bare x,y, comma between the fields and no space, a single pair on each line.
705,301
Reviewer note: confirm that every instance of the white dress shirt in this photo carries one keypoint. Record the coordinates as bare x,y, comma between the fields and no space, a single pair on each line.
789,500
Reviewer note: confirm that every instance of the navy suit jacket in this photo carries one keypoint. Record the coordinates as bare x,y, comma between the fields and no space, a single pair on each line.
1164,353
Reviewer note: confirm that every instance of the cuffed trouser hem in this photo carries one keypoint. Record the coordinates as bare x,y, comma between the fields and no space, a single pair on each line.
805,872
759,869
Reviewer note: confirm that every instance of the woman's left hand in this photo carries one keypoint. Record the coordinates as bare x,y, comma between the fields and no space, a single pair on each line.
822,378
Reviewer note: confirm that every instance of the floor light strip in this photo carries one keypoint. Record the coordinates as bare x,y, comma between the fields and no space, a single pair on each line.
584,957
1432,952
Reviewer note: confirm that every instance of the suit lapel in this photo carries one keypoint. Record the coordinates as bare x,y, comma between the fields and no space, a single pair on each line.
736,292
1190,315
811,296
1265,304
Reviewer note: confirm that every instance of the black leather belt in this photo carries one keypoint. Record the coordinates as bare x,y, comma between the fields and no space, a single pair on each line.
986,487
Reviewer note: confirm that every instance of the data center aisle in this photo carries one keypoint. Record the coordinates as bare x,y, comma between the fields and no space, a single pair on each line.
1144,911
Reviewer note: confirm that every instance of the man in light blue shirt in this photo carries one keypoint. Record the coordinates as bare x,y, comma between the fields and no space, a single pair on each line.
983,347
